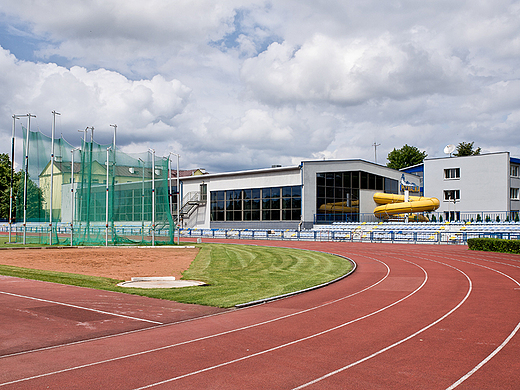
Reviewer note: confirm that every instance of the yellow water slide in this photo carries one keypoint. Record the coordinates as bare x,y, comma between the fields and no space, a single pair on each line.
394,204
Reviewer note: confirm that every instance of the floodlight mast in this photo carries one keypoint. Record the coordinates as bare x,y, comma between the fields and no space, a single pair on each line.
54,113
15,117
26,177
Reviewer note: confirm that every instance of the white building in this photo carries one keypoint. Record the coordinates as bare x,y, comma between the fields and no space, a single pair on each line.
287,197
474,187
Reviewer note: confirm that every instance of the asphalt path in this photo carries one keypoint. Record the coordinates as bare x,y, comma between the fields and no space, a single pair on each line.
410,316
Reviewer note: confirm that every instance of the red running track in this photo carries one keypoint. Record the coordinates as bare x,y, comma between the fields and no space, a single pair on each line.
409,317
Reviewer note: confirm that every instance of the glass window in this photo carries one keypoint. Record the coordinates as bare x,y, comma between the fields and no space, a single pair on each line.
391,186
514,170
364,180
513,193
371,181
452,173
451,195
355,179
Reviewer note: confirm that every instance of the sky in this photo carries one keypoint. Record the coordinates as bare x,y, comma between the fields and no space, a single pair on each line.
246,84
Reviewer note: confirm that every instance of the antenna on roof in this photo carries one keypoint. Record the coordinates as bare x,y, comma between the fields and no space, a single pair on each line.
449,149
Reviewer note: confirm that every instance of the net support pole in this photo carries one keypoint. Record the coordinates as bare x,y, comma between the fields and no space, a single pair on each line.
72,195
26,177
178,203
53,132
106,213
177,223
142,205
153,197
15,117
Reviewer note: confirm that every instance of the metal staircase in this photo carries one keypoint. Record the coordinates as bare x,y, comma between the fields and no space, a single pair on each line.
190,202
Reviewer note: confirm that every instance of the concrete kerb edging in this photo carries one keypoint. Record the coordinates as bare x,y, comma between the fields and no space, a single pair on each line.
270,299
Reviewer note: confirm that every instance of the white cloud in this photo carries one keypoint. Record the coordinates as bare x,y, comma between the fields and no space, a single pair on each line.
244,84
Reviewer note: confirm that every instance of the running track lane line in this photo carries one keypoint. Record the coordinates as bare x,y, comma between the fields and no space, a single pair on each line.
508,338
81,307
295,341
470,289
210,336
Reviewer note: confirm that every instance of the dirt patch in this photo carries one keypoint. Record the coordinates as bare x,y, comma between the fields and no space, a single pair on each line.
111,262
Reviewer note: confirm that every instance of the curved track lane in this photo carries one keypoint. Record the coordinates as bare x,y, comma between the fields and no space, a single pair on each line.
411,316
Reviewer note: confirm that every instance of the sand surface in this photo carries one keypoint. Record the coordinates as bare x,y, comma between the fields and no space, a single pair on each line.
111,262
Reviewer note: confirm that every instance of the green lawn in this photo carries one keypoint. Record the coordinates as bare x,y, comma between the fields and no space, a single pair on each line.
234,273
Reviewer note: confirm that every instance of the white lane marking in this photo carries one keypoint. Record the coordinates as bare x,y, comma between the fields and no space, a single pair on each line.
80,307
294,341
206,337
504,343
487,359
470,288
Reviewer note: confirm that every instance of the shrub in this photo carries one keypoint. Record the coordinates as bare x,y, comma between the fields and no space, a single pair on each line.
479,218
494,245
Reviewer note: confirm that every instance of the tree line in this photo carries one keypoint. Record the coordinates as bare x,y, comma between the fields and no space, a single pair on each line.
34,194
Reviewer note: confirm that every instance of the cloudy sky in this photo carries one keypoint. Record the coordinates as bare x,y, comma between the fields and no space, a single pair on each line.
242,84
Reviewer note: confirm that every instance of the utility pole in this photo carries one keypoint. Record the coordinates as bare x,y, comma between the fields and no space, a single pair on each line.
375,145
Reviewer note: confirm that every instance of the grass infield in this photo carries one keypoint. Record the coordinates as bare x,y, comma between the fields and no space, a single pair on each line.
234,273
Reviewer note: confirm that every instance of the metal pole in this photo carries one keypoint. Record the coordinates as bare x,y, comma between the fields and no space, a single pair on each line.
113,180
54,113
170,199
178,203
15,117
106,212
142,207
153,197
72,195
114,143
26,178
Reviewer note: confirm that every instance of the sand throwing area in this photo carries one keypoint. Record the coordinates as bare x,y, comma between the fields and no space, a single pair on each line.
111,262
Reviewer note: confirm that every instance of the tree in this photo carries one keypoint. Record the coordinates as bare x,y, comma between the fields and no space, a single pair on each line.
466,149
5,186
405,157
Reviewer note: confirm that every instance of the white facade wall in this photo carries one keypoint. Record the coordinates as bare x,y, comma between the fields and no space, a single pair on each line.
262,178
483,183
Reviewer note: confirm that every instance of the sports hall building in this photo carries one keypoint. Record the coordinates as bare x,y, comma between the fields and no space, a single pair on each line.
291,197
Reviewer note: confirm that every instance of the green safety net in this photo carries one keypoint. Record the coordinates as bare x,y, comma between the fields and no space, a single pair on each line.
137,195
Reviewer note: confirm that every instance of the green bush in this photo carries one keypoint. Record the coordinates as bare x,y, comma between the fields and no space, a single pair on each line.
494,245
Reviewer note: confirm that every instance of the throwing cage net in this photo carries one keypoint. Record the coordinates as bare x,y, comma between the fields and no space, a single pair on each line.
100,195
